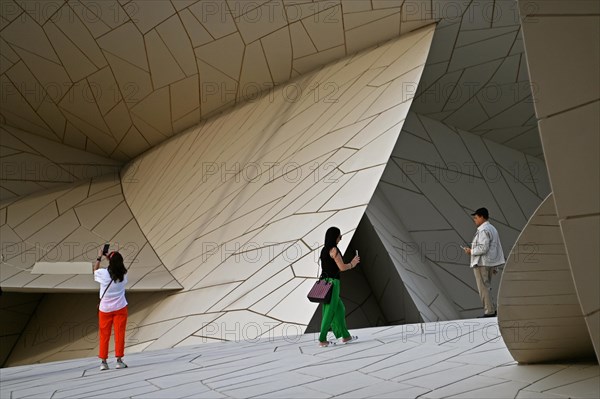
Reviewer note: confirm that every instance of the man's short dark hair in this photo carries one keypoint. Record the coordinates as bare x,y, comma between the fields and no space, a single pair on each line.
483,212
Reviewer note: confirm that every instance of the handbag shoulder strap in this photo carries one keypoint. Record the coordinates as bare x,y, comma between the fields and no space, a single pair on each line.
106,289
323,274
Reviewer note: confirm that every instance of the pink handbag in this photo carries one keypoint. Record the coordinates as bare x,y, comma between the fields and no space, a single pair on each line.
320,292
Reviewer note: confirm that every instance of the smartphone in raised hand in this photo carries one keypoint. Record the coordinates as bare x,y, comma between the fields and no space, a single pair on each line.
105,249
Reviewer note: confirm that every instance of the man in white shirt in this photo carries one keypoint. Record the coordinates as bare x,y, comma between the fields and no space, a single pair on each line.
486,254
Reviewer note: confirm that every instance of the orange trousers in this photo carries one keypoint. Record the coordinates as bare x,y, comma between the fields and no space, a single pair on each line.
105,323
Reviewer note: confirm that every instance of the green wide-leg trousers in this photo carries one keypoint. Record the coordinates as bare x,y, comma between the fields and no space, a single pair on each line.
334,314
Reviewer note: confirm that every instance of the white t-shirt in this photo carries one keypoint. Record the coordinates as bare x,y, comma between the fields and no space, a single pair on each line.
114,299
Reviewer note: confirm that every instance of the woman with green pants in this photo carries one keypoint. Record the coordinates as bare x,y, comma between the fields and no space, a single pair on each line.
334,312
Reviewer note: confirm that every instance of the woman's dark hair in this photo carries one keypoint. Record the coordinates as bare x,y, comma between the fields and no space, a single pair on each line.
331,237
116,268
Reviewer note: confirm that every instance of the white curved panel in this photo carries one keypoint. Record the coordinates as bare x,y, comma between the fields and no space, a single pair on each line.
235,206
538,309
567,105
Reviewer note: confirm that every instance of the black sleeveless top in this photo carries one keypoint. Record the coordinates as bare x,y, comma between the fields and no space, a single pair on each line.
330,268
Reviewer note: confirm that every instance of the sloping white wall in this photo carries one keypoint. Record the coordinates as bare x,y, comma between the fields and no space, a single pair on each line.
237,208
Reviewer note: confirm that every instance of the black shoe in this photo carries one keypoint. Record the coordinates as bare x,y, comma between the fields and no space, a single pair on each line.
491,314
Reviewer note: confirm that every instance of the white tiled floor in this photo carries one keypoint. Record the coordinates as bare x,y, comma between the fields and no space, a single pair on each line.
386,362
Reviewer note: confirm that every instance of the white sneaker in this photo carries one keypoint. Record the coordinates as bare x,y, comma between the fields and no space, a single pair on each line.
351,339
103,366
121,364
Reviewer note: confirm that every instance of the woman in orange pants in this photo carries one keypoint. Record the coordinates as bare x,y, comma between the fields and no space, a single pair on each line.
113,306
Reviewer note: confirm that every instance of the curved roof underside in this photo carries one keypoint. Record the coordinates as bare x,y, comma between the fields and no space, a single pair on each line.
115,79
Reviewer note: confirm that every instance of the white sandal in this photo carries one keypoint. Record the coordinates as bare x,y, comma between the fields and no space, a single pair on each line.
325,344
